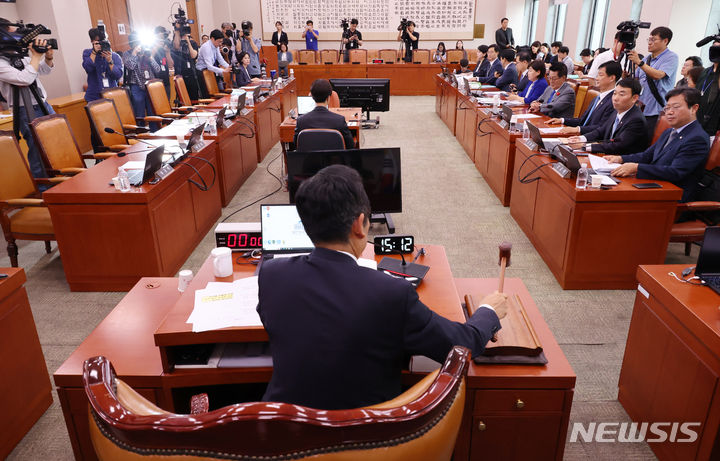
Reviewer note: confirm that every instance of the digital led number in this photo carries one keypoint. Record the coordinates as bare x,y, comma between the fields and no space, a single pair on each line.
394,244
240,240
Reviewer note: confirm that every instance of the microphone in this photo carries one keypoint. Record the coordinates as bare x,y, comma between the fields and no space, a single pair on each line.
131,136
706,40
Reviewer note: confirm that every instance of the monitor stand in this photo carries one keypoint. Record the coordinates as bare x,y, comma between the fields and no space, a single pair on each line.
367,123
384,218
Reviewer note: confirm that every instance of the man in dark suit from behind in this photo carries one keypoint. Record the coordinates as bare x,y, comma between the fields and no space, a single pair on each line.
504,36
623,133
680,154
600,109
340,334
321,117
509,76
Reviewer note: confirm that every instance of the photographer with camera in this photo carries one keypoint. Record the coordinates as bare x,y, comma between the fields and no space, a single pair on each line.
184,52
311,36
252,47
163,58
139,68
40,62
208,55
351,37
709,85
103,66
656,74
407,34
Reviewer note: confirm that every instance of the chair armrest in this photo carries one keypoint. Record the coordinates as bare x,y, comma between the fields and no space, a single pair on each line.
55,180
118,147
154,118
206,101
71,171
699,206
21,202
145,136
173,114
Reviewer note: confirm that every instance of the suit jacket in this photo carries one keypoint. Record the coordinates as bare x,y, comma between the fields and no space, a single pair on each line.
490,79
682,162
481,70
341,333
524,81
601,113
562,104
630,135
534,91
321,117
503,38
508,77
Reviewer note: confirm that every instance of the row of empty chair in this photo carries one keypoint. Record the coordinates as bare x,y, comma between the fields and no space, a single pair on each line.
368,56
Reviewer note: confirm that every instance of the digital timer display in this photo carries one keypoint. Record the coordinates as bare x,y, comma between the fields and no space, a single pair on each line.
394,244
239,240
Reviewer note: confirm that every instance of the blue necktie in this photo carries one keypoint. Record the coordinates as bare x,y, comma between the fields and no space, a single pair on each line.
592,109
552,95
615,125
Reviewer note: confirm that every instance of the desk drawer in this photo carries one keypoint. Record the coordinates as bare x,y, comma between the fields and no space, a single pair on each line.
524,400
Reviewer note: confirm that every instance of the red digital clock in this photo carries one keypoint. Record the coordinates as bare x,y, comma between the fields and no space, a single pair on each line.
238,236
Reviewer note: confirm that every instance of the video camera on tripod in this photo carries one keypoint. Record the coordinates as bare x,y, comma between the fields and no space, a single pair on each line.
714,51
629,31
403,25
16,44
344,24
183,22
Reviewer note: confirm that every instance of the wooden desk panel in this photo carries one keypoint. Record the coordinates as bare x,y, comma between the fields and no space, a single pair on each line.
671,368
289,97
109,239
406,79
25,391
268,116
73,106
567,226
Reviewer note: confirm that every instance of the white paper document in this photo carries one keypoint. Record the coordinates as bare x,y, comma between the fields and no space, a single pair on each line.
606,180
601,165
525,116
134,165
550,130
178,127
223,305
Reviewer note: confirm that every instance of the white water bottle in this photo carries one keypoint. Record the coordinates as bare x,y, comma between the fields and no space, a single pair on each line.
526,131
582,177
496,103
292,73
212,127
123,180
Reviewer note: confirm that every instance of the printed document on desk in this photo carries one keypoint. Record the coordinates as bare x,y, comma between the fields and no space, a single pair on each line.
550,130
224,305
601,165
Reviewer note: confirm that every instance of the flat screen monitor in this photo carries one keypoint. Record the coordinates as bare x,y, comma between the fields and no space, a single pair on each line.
372,94
379,169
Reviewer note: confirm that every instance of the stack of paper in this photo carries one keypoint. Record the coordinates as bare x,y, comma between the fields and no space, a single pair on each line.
550,130
179,127
521,117
223,305
600,165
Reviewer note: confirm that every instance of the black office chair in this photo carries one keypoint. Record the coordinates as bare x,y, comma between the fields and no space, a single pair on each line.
320,139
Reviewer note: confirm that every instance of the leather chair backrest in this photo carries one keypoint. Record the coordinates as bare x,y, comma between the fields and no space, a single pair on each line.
56,142
421,423
454,56
589,97
121,98
472,55
713,160
158,97
210,82
102,113
181,91
662,125
573,85
227,79
15,178
307,56
421,56
372,55
313,139
360,56
334,100
330,56
388,55
580,96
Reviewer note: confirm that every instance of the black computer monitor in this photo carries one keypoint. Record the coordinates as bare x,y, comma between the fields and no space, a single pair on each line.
379,169
372,94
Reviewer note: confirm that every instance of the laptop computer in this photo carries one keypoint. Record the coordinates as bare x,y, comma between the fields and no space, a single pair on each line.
195,137
234,112
506,113
153,162
282,231
305,104
548,144
708,263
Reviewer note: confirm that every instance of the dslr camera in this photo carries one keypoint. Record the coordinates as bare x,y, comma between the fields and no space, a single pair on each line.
16,44
403,24
629,31
246,26
344,24
183,22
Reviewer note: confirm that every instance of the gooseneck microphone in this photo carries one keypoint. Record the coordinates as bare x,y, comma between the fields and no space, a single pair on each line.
131,136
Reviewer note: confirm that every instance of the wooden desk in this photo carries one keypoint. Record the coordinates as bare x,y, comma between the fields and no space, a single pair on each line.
154,307
351,114
672,362
448,102
109,239
405,79
73,106
592,239
25,391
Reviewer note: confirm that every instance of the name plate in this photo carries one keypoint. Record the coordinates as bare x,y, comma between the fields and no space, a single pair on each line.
197,146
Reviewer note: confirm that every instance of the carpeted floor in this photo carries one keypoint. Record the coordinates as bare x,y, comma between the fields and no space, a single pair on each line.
445,201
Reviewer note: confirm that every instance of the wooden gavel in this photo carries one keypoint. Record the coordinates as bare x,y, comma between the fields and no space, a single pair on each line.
504,262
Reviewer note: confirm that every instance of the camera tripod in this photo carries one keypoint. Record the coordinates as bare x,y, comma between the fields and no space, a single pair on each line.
25,92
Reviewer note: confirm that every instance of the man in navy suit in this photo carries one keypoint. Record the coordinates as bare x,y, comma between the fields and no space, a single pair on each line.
623,133
341,333
680,154
522,62
495,66
600,109
321,117
509,76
